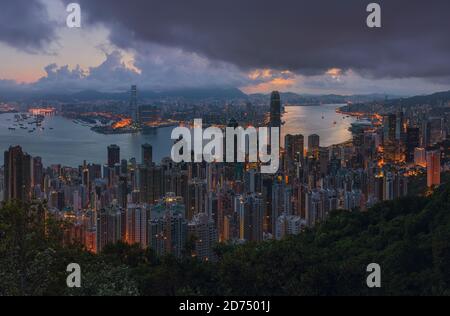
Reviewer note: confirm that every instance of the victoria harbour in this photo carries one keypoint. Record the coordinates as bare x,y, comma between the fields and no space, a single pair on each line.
60,140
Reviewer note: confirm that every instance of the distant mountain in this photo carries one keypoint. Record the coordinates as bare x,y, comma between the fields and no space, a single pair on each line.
310,99
436,99
202,94
185,94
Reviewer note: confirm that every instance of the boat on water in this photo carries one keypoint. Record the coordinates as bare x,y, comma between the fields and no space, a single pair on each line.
12,129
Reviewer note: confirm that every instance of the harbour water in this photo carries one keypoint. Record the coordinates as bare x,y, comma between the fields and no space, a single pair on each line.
61,141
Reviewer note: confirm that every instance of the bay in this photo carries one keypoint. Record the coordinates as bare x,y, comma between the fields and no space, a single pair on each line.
61,141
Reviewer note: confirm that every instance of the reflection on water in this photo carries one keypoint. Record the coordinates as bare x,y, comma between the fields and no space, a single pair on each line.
62,141
321,120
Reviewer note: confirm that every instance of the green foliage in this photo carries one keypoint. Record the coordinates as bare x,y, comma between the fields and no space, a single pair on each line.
409,238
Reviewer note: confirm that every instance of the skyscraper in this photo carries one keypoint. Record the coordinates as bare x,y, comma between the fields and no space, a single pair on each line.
17,175
313,145
433,168
294,146
109,226
389,141
167,227
390,128
147,154
113,155
137,217
134,104
275,109
202,231
38,172
420,157
412,142
251,217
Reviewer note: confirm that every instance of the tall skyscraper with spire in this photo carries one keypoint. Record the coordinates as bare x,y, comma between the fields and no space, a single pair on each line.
275,109
134,104
275,113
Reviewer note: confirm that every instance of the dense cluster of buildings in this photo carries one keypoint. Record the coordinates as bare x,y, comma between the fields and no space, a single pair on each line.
186,208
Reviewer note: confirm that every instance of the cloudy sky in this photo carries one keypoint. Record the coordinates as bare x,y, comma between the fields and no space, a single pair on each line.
304,46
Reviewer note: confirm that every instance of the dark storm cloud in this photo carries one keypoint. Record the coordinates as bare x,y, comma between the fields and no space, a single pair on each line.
308,36
24,24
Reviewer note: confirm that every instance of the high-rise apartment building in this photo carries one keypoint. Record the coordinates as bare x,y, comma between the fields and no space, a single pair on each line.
113,155
433,168
202,232
17,175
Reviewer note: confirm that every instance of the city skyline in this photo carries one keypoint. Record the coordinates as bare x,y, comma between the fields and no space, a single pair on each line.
130,200
253,148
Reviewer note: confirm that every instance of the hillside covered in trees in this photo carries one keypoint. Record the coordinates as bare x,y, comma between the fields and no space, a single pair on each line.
408,238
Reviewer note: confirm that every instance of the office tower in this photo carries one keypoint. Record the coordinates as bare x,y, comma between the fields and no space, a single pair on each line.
412,142
289,225
147,154
17,175
389,138
113,155
85,176
95,171
390,128
202,231
123,167
134,104
313,145
137,217
150,183
275,109
400,129
433,168
294,146
275,114
420,157
123,192
38,172
324,159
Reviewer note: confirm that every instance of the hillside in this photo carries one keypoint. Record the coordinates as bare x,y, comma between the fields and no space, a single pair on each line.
435,99
409,238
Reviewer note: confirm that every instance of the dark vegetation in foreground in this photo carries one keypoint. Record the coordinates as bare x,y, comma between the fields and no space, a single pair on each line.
409,238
